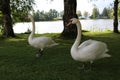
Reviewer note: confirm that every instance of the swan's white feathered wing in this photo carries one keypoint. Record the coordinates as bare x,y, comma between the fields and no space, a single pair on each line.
42,42
91,50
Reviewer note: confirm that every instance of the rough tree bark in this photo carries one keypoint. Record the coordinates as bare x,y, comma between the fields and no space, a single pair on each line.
69,12
7,20
115,23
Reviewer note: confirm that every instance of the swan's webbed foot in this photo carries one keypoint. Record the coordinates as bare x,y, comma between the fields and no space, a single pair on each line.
86,67
81,67
39,54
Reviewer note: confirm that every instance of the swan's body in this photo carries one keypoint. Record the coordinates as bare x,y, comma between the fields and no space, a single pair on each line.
89,50
39,42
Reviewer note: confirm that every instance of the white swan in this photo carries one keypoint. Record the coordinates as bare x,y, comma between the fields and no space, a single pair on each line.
39,42
89,50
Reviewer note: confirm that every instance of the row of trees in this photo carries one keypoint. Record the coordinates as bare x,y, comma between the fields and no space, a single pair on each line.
20,8
52,14
107,13
42,15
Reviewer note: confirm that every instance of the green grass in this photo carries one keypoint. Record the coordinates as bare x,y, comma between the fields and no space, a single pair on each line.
18,61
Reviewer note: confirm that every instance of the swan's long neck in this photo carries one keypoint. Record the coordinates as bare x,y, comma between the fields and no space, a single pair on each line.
78,39
33,29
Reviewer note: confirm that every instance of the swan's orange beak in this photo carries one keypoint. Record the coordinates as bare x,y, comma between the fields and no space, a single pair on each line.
69,23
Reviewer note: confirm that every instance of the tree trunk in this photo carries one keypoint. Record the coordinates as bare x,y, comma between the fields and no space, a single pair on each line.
7,20
115,23
69,12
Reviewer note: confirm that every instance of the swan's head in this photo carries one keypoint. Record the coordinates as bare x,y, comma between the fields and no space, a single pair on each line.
72,21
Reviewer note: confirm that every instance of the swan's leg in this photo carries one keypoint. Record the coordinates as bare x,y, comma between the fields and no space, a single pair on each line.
89,66
82,67
40,53
91,62
86,66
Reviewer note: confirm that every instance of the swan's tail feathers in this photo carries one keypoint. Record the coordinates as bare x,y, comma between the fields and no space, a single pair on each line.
54,44
105,55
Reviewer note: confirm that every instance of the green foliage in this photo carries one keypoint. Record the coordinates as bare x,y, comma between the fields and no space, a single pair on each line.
1,18
1,29
61,14
79,13
85,14
18,62
95,13
107,13
20,9
119,11
42,16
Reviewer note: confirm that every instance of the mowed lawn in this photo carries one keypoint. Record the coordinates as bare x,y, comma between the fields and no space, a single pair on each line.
18,61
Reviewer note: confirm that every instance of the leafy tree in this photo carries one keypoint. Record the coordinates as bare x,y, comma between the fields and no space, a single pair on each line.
95,13
37,15
41,16
1,18
119,11
105,13
110,13
79,13
52,14
18,9
1,28
61,14
86,14
7,20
